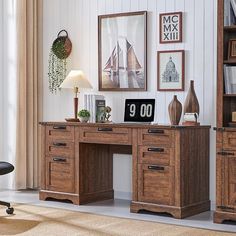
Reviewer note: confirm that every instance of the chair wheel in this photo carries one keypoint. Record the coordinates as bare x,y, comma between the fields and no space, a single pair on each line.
10,210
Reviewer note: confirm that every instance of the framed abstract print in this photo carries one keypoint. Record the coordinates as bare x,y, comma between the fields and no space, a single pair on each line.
122,51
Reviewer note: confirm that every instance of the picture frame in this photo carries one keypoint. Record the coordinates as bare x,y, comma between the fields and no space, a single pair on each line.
171,27
122,49
170,70
232,50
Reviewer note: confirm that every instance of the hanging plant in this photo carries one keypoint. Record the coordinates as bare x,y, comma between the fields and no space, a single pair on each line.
60,50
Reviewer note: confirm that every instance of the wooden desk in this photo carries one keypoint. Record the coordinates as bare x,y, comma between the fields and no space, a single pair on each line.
170,164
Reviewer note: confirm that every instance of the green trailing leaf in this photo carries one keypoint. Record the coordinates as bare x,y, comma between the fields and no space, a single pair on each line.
56,71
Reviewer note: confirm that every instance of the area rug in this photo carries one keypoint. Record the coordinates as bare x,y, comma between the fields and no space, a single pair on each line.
34,220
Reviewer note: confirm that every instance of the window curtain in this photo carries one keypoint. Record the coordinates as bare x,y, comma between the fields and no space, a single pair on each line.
29,92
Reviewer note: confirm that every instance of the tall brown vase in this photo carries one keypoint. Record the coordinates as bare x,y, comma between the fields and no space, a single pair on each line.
191,104
175,111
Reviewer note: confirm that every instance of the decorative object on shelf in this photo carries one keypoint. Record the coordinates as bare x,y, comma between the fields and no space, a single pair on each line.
84,115
75,80
60,50
107,111
175,111
139,110
170,70
232,50
191,104
234,116
100,110
171,27
122,51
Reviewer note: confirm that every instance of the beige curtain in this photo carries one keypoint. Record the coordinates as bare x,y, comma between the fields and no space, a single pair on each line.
29,69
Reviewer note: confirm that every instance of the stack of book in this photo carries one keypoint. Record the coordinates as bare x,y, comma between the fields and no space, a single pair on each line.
230,79
229,12
95,104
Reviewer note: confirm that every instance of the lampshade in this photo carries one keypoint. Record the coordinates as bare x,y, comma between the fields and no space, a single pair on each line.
75,78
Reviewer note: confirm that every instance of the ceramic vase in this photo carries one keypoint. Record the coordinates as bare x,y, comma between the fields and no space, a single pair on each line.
84,119
191,104
175,111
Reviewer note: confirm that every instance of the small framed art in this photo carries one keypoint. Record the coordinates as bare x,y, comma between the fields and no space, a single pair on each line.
122,51
170,70
171,27
232,50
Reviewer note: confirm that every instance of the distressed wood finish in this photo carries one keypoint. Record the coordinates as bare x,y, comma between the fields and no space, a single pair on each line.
170,165
225,137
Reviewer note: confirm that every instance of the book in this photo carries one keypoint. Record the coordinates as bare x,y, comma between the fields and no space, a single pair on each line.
100,115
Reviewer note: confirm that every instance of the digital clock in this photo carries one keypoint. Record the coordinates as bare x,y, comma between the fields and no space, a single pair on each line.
139,110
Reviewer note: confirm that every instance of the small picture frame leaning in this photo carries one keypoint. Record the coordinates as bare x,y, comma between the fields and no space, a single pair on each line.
171,27
232,50
170,70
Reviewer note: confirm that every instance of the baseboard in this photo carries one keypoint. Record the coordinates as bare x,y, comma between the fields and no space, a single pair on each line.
123,195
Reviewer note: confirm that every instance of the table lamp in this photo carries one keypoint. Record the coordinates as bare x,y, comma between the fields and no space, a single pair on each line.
75,80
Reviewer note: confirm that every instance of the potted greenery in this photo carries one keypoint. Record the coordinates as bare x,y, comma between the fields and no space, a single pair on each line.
84,115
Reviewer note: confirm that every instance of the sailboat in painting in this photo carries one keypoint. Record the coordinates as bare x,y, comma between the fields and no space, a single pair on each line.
122,69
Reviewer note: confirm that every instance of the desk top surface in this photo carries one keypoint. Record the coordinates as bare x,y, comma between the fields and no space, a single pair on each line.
124,125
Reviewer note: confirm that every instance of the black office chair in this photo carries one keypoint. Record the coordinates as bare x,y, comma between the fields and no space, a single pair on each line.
6,168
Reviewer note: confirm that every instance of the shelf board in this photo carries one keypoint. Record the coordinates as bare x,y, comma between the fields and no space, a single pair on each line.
229,95
229,62
230,28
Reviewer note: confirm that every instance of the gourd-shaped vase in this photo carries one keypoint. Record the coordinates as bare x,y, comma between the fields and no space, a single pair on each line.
191,104
175,111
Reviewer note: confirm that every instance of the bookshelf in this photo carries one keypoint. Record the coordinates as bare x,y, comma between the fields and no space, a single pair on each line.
226,103
226,129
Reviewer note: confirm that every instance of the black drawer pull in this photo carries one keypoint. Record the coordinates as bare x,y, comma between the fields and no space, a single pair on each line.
104,129
59,159
59,127
59,144
156,168
225,153
156,149
155,131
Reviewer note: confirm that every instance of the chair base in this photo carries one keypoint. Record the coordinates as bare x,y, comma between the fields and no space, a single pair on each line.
9,209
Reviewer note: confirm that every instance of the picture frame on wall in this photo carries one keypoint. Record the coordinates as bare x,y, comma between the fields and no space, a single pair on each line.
122,49
170,70
232,50
171,27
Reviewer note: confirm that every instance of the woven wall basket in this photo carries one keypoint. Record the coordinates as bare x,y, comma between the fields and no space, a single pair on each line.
62,45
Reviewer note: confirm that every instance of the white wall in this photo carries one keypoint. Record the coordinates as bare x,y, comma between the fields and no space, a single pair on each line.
79,17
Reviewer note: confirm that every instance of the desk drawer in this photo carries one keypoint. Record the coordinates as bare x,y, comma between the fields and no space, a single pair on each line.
107,135
60,174
155,136
229,140
60,148
59,132
155,184
155,155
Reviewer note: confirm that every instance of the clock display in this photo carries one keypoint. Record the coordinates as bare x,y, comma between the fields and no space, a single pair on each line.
139,110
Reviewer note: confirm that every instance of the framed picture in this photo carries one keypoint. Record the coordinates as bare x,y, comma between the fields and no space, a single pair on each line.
232,49
170,70
122,40
171,27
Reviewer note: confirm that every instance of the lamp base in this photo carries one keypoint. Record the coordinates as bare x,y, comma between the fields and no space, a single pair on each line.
72,120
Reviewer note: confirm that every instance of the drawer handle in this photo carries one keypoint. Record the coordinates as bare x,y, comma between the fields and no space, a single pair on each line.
225,153
156,168
59,159
59,144
104,129
59,127
155,131
156,149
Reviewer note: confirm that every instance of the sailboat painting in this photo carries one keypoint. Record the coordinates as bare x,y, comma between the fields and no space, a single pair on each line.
122,52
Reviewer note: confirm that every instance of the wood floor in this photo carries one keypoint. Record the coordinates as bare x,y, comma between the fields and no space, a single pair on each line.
117,208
